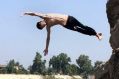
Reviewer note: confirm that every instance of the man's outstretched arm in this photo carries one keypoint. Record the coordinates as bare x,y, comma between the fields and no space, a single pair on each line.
41,15
47,41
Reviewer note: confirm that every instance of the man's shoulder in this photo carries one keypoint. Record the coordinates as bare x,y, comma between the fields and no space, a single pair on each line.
57,14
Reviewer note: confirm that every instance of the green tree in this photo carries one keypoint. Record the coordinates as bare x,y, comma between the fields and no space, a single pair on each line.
59,63
10,67
84,64
38,66
3,70
72,69
54,62
97,64
15,67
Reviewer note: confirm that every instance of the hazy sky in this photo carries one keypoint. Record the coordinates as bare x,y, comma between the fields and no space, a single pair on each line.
20,39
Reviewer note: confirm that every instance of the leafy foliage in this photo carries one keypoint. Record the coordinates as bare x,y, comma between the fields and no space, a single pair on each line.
15,67
38,66
59,63
85,66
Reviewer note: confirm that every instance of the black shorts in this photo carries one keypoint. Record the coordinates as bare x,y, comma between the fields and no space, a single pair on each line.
71,22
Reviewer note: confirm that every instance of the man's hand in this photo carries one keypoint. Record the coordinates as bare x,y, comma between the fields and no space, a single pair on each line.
29,13
45,52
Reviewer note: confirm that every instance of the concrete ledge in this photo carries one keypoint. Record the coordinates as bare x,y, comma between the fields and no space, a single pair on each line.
20,76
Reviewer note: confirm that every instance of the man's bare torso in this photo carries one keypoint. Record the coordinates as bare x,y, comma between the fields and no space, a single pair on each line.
56,19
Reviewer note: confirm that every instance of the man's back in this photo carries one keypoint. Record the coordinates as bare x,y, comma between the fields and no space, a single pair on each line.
55,19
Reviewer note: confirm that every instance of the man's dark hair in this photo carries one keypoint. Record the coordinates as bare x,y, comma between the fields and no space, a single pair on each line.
38,25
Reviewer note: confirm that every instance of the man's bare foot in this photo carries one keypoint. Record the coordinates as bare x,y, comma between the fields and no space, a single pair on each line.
99,36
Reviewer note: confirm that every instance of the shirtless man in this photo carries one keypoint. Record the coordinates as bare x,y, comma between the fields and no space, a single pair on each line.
66,21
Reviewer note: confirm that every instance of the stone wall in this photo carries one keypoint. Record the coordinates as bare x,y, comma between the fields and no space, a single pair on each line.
111,68
15,76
